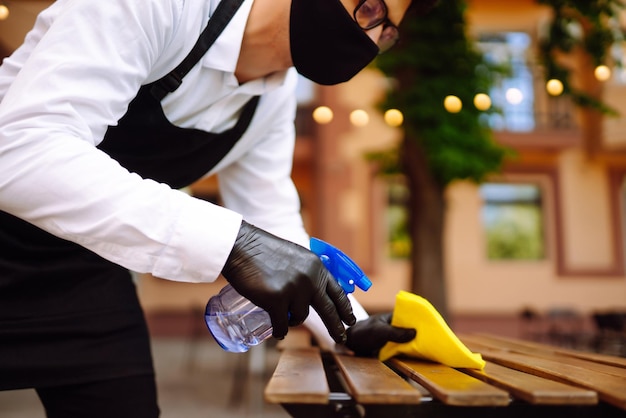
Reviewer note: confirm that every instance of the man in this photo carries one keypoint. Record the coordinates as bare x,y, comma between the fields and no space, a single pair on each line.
108,108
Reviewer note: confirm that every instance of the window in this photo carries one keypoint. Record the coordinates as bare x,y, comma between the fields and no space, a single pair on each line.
513,93
512,218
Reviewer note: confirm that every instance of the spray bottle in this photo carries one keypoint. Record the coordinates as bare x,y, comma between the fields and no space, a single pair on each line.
237,324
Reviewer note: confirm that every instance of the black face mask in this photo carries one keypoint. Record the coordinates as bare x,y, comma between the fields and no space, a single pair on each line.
327,45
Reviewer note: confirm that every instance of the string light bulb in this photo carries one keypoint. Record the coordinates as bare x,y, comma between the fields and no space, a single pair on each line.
452,104
393,118
554,87
4,11
514,96
323,115
602,73
482,101
359,117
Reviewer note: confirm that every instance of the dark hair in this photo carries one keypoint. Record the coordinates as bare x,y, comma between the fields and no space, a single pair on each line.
422,7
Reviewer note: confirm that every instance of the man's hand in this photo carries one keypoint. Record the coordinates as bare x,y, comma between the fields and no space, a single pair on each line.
284,278
368,336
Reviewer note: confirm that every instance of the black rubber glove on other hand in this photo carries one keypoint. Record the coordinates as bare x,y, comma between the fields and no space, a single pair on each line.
284,278
368,336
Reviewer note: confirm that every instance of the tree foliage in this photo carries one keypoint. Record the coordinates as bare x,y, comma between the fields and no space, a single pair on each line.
586,25
434,59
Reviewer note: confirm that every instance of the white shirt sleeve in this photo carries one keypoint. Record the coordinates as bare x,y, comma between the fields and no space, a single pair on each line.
80,68
315,325
259,185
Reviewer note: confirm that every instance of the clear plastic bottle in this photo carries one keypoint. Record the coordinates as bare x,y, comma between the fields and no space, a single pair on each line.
237,324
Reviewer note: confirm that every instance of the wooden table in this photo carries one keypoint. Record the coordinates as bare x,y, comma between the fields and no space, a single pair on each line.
521,379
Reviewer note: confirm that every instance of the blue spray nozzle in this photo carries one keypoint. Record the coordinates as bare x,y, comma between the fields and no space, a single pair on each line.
343,269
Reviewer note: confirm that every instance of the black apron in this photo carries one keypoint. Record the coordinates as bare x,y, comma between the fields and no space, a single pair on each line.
67,315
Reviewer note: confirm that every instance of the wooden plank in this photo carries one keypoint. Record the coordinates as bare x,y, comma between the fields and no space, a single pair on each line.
518,344
610,389
451,386
370,381
480,344
299,377
533,389
297,337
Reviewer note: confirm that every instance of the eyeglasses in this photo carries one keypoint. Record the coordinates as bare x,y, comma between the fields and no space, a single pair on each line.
371,13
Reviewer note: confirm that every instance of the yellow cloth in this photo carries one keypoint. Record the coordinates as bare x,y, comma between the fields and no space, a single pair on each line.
435,341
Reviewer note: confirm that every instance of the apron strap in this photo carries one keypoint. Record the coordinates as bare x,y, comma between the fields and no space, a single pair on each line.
223,14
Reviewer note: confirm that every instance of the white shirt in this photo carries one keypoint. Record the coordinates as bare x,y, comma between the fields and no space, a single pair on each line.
68,82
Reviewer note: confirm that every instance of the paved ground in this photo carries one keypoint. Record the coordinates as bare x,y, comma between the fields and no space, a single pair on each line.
196,380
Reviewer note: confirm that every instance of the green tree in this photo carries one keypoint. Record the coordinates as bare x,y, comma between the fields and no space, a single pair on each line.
434,59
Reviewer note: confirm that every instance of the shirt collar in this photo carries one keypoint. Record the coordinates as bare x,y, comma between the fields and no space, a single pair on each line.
224,53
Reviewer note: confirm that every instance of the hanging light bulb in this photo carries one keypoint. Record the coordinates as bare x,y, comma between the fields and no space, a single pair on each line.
602,72
323,115
482,101
394,118
514,96
452,104
554,87
359,117
4,11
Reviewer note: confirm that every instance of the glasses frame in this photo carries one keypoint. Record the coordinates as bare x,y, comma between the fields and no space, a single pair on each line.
384,20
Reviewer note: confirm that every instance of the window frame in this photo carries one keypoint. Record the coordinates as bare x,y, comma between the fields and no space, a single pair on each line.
541,186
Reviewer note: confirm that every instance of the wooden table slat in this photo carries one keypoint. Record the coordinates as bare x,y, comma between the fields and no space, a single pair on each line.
370,381
299,377
480,345
543,380
610,389
596,357
533,389
451,386
297,337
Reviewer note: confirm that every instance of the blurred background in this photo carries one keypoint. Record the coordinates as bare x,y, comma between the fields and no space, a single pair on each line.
491,180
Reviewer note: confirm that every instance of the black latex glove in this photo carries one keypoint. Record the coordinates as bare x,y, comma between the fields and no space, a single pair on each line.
368,336
284,278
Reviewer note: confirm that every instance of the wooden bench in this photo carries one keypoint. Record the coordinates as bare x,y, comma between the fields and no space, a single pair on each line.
520,379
